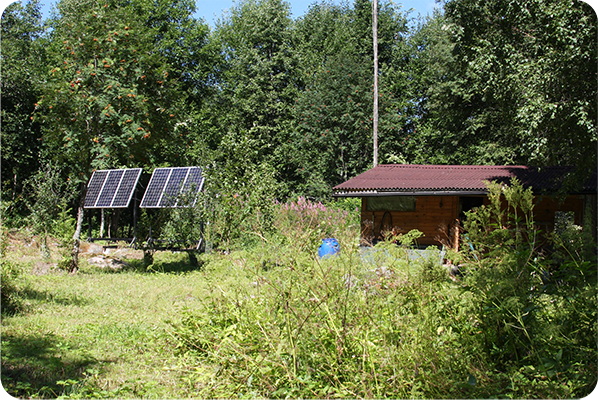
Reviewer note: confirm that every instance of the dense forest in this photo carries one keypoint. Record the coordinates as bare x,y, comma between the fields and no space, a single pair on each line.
274,108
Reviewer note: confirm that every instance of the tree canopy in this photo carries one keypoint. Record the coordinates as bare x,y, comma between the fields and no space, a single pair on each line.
144,83
23,55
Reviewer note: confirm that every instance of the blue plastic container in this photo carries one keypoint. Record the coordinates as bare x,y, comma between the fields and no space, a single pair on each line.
328,248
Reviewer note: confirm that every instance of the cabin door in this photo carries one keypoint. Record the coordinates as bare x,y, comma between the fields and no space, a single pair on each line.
466,203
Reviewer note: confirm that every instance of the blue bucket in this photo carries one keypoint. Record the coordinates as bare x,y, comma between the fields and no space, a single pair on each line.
328,248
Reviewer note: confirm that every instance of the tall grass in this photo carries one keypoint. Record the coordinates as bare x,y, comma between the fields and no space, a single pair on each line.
384,324
299,326
12,282
267,318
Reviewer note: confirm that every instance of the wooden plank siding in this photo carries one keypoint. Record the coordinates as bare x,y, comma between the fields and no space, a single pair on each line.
434,215
546,207
431,214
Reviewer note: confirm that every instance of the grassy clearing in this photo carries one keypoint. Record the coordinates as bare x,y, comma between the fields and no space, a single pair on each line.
270,319
98,334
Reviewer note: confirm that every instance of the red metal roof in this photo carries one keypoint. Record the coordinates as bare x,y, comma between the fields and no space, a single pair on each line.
452,178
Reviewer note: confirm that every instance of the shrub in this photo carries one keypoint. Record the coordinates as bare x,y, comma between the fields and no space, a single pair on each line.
11,280
305,223
49,212
237,205
280,322
536,328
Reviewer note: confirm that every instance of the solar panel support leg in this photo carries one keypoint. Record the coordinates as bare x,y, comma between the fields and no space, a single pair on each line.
89,228
135,206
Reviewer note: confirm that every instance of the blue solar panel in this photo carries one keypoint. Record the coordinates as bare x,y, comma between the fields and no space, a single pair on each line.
111,188
194,183
125,190
94,187
167,186
173,187
154,190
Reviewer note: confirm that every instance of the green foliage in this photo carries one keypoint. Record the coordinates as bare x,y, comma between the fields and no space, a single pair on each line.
12,280
238,201
23,57
49,214
304,223
511,79
296,326
108,96
332,138
252,106
387,322
536,318
334,114
573,242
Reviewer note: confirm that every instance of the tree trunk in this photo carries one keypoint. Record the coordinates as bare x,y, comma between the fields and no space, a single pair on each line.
101,222
74,265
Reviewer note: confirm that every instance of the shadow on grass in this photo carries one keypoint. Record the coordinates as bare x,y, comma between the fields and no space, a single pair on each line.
17,305
166,262
42,366
49,297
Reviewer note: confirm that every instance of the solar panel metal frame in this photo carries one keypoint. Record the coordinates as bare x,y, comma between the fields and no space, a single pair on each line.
111,188
164,192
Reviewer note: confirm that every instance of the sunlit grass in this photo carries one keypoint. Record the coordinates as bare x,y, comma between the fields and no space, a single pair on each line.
100,330
272,319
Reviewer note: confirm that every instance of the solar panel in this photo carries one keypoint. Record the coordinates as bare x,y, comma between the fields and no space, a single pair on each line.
111,188
94,187
110,185
173,187
126,188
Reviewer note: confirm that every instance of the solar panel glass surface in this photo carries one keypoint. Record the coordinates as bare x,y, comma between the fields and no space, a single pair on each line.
127,187
173,187
94,187
154,190
111,188
193,184
168,187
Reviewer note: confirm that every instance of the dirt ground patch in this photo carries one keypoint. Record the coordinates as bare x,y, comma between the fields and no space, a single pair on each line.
25,248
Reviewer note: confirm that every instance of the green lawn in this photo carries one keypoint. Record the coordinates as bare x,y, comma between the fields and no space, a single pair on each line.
99,334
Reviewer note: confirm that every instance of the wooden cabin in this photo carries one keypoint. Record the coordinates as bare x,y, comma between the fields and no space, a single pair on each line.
433,198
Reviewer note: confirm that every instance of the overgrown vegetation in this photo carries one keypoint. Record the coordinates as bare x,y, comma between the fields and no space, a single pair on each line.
134,84
268,318
383,324
11,280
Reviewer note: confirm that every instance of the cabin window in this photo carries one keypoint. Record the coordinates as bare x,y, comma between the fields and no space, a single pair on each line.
564,221
391,203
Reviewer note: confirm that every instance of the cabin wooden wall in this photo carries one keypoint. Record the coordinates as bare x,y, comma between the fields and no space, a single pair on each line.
436,215
432,214
546,207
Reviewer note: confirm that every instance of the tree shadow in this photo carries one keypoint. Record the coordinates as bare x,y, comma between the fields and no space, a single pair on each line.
49,297
18,304
37,365
163,262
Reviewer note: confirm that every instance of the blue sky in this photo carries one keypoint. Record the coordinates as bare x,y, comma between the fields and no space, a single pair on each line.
212,10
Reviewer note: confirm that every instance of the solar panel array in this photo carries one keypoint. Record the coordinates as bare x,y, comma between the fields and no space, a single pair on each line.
111,188
173,187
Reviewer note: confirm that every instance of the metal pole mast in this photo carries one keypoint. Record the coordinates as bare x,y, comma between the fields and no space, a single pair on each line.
375,117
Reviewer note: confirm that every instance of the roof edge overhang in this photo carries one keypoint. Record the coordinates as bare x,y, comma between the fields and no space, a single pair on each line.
381,193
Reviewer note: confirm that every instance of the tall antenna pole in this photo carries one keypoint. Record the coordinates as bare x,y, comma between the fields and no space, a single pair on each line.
375,117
